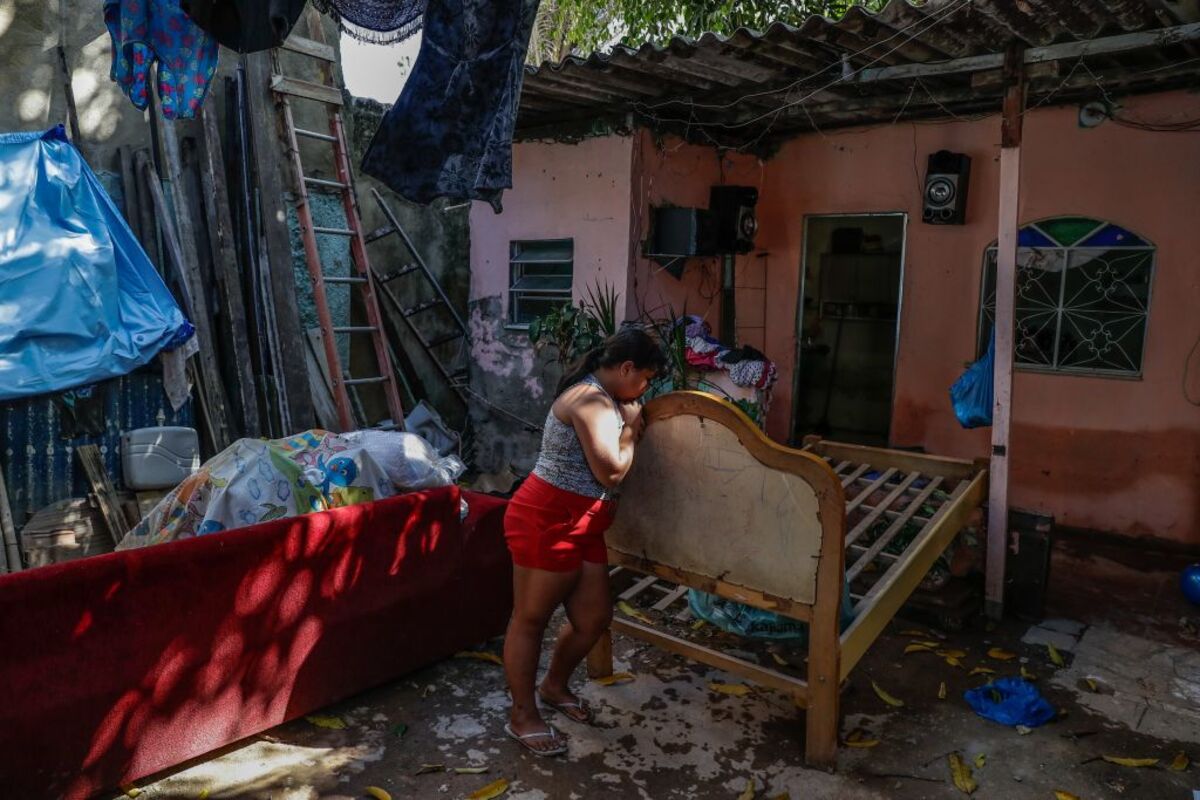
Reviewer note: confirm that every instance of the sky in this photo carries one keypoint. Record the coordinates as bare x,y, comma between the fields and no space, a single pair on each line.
373,70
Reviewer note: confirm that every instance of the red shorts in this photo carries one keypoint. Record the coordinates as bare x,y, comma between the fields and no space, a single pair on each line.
553,529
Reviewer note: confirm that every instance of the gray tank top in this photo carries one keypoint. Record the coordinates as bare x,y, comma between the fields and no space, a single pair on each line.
561,462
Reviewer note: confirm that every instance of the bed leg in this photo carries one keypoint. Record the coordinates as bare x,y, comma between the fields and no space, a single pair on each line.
824,698
600,658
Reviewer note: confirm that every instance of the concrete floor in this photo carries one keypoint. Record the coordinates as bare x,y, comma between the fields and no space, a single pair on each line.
667,735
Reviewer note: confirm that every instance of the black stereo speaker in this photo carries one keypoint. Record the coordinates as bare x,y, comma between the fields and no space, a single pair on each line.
946,182
734,219
682,232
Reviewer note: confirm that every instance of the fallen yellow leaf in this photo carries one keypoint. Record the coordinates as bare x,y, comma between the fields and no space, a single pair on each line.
1061,795
698,624
980,760
325,721
470,770
1027,675
784,796
491,790
780,660
1131,762
918,647
942,691
1092,685
1180,763
427,768
630,611
1001,655
748,793
130,790
952,653
861,739
982,671
480,655
203,795
953,661
1024,730
1055,656
913,632
735,689
964,781
377,793
887,698
618,677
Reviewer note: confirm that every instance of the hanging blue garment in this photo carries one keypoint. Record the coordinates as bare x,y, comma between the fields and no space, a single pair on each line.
375,21
146,31
972,394
450,133
79,299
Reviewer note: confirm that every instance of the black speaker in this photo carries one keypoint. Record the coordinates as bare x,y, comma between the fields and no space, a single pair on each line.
732,208
946,182
682,232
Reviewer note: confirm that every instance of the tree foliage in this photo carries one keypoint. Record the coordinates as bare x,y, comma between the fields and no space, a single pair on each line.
588,25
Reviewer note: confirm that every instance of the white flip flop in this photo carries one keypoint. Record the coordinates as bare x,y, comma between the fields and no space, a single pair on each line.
522,739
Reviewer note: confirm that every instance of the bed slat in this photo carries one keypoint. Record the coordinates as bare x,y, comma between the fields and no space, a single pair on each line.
893,530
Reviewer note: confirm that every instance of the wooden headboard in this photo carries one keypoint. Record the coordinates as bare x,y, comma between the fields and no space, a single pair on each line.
711,496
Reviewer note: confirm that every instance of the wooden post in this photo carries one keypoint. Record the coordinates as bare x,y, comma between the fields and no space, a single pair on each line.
1006,275
600,657
10,553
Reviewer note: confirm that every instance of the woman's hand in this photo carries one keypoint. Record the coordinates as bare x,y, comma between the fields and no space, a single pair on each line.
635,420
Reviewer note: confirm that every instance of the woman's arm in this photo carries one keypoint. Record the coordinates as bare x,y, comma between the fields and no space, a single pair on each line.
607,446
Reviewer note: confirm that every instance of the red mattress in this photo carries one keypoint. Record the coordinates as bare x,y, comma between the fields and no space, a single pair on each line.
116,667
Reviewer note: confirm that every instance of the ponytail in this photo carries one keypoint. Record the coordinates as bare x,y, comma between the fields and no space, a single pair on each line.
628,344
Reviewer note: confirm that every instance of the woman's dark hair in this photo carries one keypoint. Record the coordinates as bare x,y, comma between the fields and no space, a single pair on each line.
627,344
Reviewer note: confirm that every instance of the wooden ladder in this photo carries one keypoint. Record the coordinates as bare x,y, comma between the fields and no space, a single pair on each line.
330,96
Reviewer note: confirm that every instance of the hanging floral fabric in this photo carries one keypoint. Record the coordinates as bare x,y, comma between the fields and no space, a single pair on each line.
450,132
375,21
148,31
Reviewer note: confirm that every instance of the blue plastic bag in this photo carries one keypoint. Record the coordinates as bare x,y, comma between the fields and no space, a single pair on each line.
80,301
734,617
1012,702
972,393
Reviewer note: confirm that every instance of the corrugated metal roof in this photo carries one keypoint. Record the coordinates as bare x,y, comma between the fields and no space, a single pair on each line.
751,86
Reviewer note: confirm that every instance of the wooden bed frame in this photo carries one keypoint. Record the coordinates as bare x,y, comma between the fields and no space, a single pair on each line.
712,504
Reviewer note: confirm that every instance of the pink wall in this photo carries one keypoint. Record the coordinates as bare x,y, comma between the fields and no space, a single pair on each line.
1110,454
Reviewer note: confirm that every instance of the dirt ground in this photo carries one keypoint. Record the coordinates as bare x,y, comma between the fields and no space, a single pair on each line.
667,734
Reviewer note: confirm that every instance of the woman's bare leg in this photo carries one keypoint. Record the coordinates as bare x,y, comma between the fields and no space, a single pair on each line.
536,593
589,614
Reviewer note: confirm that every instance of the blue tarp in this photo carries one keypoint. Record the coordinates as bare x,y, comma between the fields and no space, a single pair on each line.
79,299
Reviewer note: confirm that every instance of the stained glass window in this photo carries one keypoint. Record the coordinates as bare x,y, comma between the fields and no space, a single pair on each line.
1083,296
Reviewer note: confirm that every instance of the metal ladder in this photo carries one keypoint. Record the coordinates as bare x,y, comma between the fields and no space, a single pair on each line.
454,369
330,96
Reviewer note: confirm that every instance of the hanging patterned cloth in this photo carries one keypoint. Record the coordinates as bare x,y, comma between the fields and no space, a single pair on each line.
450,132
375,21
146,31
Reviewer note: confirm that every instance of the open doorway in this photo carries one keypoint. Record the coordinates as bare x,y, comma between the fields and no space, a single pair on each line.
848,326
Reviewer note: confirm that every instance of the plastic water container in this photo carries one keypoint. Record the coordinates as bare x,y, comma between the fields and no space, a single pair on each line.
159,458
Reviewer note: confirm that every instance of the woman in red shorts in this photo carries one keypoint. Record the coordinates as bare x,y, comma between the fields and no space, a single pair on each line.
555,527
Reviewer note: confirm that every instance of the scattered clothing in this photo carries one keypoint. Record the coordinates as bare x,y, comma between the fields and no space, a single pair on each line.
247,26
1012,702
561,460
375,21
450,132
747,367
256,480
552,529
147,31
80,301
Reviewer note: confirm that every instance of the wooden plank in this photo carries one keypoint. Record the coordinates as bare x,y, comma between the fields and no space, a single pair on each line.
106,495
857,473
886,597
129,188
322,388
866,522
306,89
600,657
760,675
899,459
1005,326
269,153
227,269
670,597
11,551
308,47
183,223
1109,45
638,587
872,487
741,594
892,531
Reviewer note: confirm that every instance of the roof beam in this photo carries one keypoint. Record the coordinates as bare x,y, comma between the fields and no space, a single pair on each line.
1109,45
